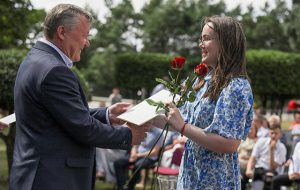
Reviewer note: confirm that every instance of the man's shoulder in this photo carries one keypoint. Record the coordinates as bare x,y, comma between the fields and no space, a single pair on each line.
281,146
45,53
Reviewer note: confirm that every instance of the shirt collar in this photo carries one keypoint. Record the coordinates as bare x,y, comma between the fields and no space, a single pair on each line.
66,59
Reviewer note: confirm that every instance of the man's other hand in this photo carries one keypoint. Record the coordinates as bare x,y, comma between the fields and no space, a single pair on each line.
117,109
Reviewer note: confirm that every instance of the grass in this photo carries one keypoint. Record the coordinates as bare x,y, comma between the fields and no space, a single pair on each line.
3,167
285,125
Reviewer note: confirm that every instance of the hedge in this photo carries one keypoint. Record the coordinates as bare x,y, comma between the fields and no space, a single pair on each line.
272,73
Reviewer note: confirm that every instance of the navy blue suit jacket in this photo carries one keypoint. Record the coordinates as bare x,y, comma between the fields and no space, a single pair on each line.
56,132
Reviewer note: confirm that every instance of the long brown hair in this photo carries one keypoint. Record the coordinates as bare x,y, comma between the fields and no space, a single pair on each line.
231,62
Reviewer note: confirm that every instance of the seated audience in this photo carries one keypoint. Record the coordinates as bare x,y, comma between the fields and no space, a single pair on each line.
267,157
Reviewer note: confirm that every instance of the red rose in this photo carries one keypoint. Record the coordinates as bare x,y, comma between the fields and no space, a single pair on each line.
178,63
201,70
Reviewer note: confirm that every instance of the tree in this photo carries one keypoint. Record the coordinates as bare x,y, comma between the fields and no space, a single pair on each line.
269,30
293,28
174,26
118,29
19,23
116,35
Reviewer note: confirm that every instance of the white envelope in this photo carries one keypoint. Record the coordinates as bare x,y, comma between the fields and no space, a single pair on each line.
143,112
8,119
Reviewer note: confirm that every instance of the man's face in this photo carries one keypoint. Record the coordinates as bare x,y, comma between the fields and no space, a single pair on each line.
275,134
76,39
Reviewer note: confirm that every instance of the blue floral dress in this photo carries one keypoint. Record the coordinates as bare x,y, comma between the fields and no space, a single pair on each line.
230,116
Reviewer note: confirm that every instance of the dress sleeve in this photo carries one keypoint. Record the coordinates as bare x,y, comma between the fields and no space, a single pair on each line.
234,111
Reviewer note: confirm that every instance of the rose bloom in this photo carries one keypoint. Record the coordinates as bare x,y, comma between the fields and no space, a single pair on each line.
178,63
201,70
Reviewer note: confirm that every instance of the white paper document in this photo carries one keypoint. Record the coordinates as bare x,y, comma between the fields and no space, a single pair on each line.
143,112
8,119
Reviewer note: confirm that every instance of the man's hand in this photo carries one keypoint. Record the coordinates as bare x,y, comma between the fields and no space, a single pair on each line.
138,132
133,158
115,110
273,144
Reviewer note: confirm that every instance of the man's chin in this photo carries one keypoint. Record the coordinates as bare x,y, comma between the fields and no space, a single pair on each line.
76,60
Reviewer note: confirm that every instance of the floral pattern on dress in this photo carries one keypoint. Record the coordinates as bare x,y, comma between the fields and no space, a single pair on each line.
230,116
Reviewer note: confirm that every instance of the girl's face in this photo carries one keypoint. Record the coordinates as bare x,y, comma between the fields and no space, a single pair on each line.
209,45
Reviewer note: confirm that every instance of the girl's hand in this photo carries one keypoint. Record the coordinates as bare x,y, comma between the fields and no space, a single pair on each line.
174,117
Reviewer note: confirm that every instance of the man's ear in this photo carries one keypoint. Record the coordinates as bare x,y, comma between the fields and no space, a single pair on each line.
61,32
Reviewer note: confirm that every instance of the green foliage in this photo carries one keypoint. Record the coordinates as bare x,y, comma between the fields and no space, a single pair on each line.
118,26
18,19
174,26
159,105
9,64
292,28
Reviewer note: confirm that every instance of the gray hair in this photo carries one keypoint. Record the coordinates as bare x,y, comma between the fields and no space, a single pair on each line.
63,15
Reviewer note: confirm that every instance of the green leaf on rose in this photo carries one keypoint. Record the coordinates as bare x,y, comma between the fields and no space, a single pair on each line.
158,104
192,96
177,90
165,83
